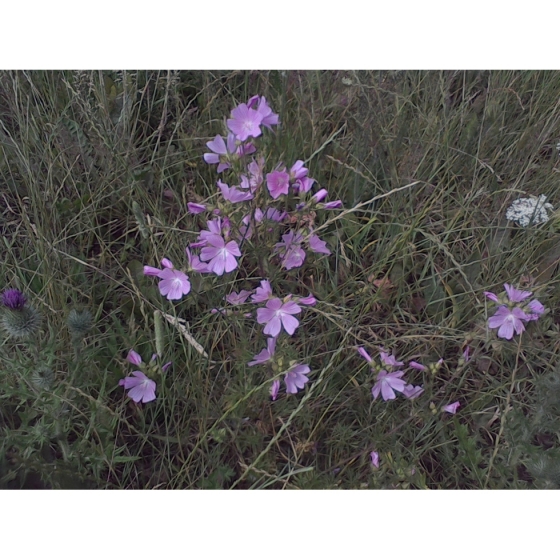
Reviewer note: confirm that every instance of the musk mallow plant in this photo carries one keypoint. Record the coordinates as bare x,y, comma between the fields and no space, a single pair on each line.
512,313
388,378
263,214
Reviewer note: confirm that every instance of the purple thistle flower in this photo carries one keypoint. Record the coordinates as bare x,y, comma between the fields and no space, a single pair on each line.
507,321
278,183
418,366
411,392
245,122
195,208
12,298
514,295
233,194
220,254
264,293
264,355
317,245
276,315
387,384
139,387
296,378
274,388
452,408
374,456
364,354
238,298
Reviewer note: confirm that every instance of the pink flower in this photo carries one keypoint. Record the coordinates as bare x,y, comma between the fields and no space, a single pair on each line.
303,185
233,194
374,456
269,118
174,284
296,378
290,250
238,298
319,195
452,408
220,254
256,174
317,245
245,122
332,205
195,208
411,392
266,354
274,388
536,308
195,264
277,315
134,358
514,295
298,171
140,387
385,384
278,183
309,300
492,296
416,365
263,293
507,321
364,354
221,152
389,360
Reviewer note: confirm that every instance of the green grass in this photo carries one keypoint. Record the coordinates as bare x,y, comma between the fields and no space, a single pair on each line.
96,169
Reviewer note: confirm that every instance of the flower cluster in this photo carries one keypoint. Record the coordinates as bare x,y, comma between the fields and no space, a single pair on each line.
510,316
276,315
389,378
526,211
258,206
139,386
243,210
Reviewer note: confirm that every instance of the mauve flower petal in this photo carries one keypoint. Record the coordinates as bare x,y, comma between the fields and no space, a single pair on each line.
491,296
217,145
151,271
211,159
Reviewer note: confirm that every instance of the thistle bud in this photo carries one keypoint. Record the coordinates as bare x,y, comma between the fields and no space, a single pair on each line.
21,322
43,378
79,323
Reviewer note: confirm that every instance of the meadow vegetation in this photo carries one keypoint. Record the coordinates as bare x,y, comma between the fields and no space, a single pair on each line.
97,171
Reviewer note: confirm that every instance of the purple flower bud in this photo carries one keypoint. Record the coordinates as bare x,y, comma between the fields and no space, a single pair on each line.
195,208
